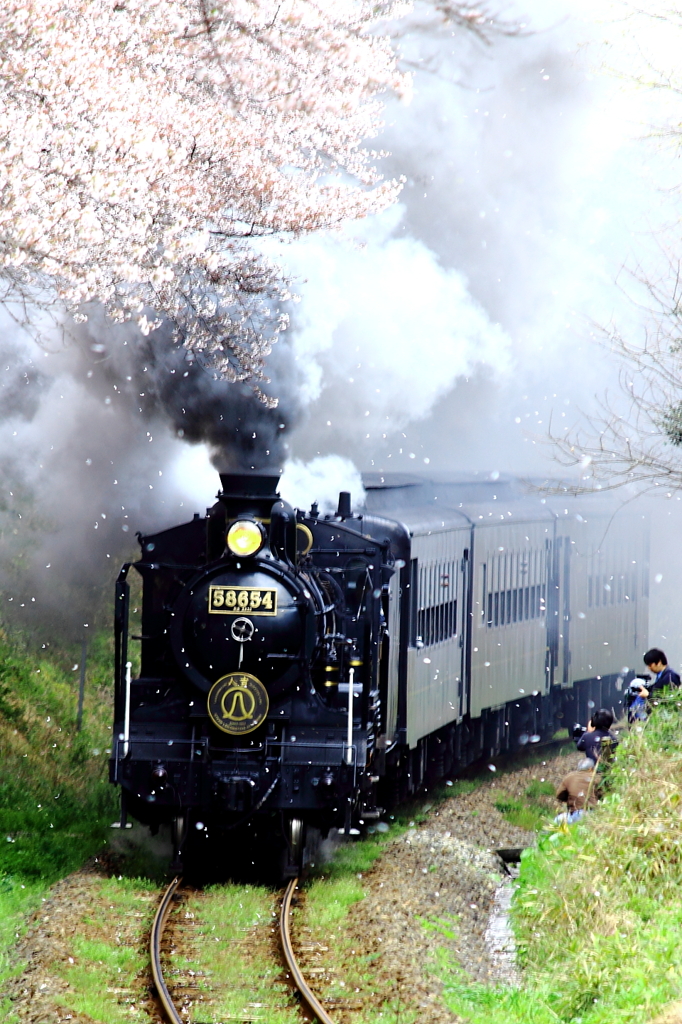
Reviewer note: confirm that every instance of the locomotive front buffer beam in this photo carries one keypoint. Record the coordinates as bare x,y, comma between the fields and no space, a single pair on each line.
312,776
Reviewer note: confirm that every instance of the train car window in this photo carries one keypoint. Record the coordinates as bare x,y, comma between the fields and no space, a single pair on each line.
511,590
435,602
604,589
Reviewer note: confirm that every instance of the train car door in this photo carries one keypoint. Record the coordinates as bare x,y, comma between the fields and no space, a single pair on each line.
465,628
437,650
558,610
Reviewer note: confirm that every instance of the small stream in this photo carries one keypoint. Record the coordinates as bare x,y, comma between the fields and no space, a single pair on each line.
499,937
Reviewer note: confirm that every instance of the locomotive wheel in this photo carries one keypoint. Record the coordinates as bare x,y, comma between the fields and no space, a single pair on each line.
179,828
294,845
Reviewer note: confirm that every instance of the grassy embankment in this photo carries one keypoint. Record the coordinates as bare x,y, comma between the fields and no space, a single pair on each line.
55,803
598,913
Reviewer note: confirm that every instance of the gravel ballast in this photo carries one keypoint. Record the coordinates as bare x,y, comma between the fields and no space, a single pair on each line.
434,889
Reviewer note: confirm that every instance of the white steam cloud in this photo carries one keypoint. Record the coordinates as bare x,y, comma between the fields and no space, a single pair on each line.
320,480
533,184
382,323
383,332
467,318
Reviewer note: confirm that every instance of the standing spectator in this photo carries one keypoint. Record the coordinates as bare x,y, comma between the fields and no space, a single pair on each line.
656,661
598,732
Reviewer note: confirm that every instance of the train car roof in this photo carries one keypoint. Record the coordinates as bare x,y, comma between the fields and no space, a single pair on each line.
451,489
450,500
425,519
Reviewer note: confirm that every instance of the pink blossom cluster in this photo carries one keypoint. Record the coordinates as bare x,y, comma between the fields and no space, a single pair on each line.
145,143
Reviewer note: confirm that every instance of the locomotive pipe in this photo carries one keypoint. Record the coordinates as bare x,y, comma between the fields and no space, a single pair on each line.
126,719
349,735
121,604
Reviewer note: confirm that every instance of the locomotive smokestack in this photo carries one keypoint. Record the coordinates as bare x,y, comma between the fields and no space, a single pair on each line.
344,505
248,492
250,484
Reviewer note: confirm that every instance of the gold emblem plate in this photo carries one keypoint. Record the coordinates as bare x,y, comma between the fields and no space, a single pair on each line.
238,703
238,600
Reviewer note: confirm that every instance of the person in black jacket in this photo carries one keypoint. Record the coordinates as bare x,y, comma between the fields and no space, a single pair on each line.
656,661
598,738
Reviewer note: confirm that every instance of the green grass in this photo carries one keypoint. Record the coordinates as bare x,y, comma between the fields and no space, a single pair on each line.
329,900
533,811
332,892
101,969
98,981
323,920
232,950
538,789
17,901
598,913
108,958
55,802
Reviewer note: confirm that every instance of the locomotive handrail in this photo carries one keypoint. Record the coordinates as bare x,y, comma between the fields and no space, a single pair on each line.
315,744
134,741
121,604
343,750
126,709
225,752
370,552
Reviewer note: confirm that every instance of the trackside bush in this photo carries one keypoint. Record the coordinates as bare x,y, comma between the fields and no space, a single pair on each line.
598,910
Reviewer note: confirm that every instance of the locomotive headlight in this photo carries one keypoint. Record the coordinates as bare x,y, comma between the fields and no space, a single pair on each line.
245,537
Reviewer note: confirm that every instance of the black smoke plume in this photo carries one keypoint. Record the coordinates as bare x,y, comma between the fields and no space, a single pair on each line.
92,429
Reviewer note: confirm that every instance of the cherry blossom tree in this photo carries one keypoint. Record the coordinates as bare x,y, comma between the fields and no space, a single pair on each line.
146,144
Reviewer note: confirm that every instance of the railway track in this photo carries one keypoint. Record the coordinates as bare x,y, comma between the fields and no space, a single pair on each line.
308,997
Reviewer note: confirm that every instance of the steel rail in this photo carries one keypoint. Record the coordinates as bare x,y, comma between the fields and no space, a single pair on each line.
301,984
155,952
159,924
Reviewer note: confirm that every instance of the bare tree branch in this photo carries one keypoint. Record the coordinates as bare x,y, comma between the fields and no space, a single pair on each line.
636,437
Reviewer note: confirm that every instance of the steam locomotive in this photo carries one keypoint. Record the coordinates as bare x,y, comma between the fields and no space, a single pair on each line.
300,672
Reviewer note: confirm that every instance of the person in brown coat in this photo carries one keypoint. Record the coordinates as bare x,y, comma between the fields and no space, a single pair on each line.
579,790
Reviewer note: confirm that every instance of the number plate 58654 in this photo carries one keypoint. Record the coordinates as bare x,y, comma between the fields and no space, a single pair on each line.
242,600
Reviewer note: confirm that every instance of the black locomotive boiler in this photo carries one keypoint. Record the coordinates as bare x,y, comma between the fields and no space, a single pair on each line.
299,671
